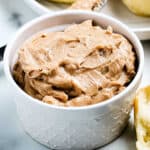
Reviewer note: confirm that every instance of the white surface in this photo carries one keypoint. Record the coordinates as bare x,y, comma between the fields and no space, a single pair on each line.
12,136
115,8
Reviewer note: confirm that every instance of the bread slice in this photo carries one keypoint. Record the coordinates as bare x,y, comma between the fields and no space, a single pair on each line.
139,7
142,118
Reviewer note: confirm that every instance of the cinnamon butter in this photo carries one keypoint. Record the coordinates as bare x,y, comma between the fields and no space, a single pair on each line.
82,65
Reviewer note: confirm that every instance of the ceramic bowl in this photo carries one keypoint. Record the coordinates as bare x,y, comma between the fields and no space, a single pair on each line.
73,128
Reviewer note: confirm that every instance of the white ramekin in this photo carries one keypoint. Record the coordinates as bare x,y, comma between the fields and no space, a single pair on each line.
73,128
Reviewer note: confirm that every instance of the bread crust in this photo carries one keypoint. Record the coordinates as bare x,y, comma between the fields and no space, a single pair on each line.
142,119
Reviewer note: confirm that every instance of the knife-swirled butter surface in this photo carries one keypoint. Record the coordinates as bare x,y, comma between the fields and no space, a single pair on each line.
82,65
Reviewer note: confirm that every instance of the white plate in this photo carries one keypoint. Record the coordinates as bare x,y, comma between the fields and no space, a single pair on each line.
115,8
